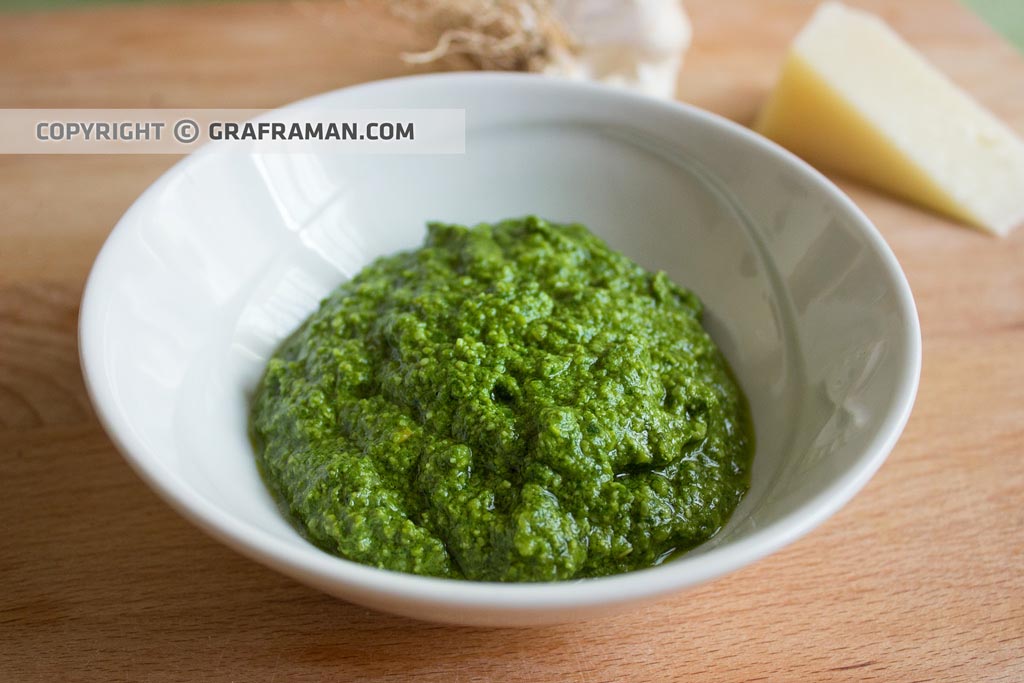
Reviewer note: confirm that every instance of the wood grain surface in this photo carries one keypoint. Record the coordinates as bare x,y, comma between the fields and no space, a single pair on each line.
920,578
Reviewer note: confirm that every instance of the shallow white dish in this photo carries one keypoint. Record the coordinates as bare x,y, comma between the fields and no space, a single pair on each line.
227,253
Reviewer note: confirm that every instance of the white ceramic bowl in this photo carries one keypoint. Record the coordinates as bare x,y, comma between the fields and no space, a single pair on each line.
227,253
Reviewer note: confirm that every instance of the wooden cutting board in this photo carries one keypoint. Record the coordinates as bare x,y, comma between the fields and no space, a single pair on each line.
920,578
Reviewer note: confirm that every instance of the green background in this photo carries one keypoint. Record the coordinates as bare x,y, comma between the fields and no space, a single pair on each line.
1006,16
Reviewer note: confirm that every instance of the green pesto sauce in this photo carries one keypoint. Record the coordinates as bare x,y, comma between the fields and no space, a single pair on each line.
509,402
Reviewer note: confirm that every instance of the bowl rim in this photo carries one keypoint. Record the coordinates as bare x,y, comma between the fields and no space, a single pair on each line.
315,566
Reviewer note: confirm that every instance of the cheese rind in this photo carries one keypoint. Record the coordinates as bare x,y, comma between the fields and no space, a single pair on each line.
854,97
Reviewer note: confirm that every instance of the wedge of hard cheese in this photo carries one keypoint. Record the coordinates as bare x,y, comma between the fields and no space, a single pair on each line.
855,98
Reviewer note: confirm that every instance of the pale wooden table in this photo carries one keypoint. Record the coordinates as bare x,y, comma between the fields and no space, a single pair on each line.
920,578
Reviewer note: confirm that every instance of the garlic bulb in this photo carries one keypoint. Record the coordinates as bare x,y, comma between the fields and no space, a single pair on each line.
637,44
